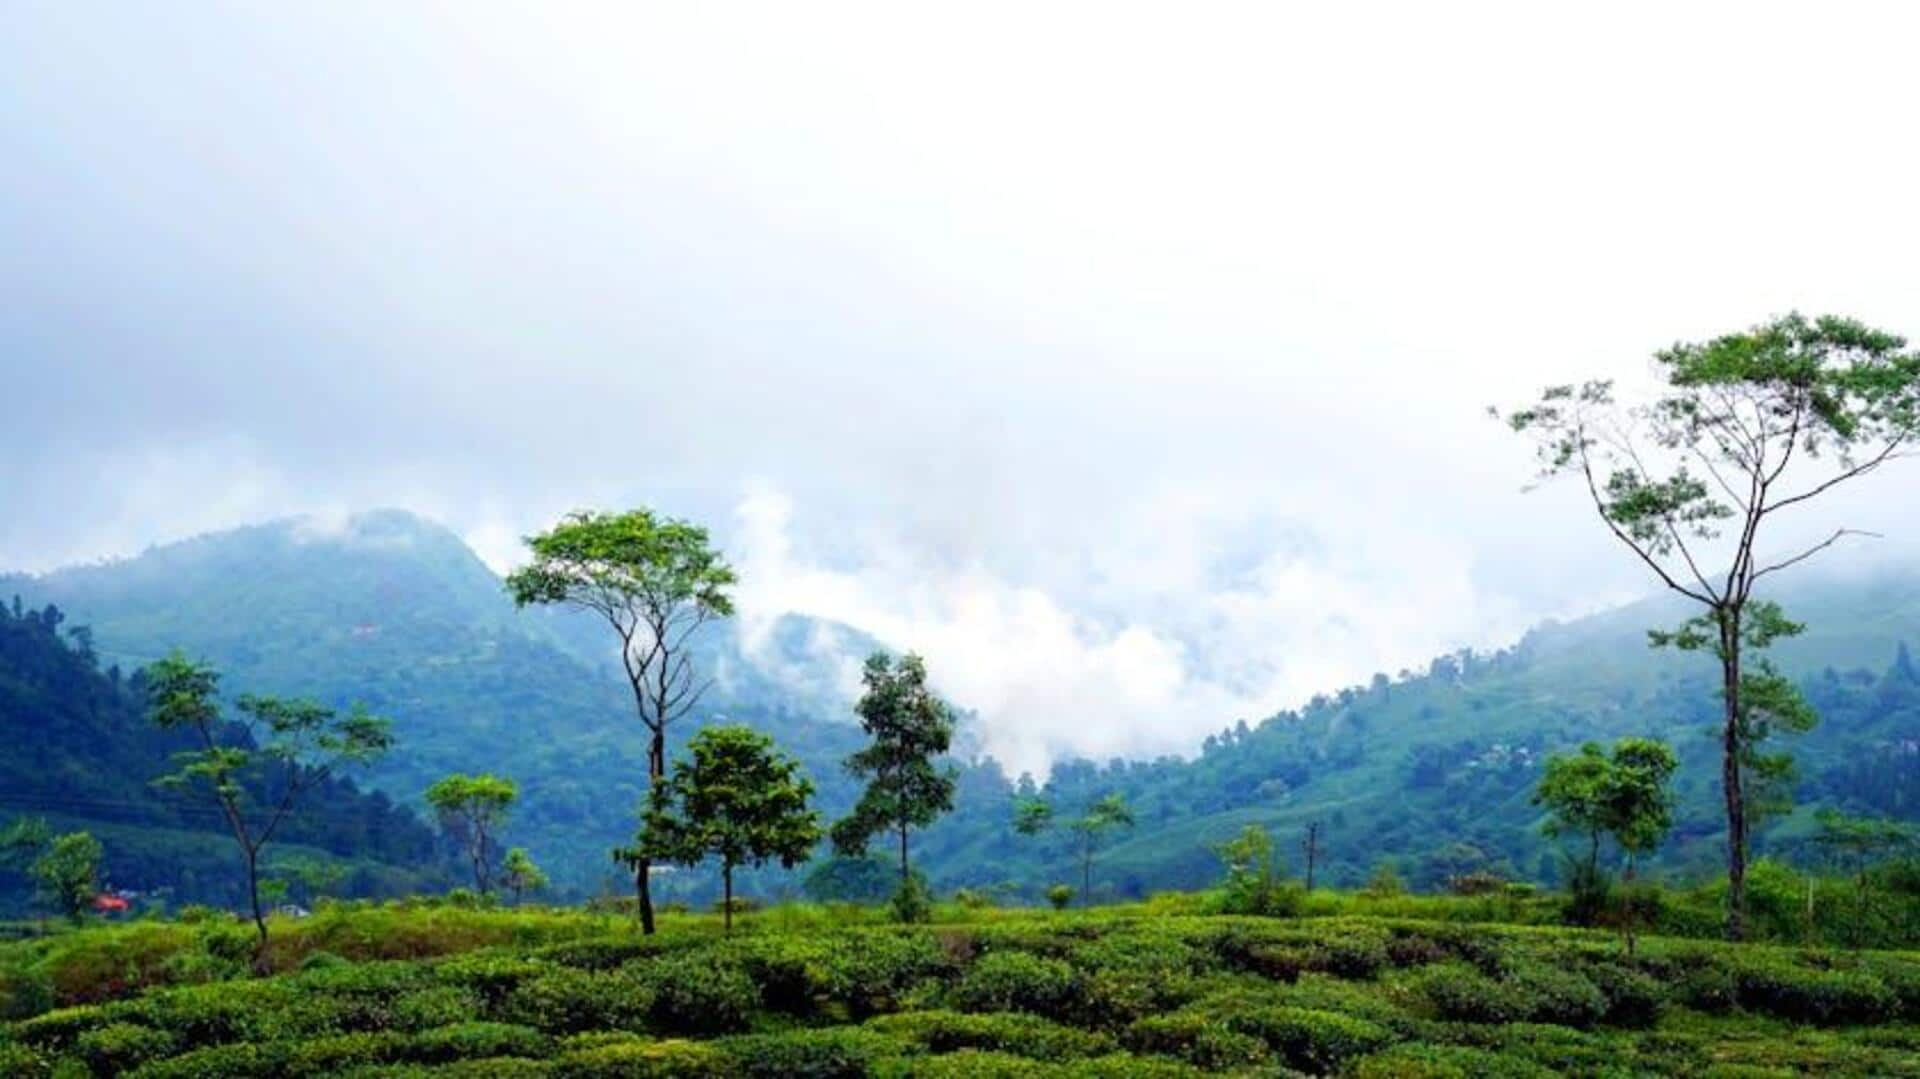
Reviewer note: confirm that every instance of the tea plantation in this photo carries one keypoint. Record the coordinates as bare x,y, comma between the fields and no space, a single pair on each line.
419,991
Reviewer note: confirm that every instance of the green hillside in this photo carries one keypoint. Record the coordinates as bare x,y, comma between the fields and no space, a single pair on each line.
81,756
1429,769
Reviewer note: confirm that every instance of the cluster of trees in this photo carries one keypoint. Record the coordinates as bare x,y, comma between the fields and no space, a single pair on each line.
735,797
1747,426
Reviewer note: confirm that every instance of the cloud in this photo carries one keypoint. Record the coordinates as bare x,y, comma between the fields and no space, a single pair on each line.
1050,680
1131,367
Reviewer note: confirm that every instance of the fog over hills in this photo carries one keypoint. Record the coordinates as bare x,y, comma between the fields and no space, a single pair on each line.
392,611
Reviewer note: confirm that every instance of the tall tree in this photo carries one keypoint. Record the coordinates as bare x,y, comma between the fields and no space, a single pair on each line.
471,810
655,581
281,749
736,798
1748,426
910,729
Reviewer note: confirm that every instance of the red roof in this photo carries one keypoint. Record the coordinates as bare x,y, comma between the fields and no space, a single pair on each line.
104,903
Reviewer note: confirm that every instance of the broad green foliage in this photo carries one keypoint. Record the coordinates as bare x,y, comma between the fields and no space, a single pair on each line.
655,582
519,874
68,873
283,749
1748,424
1254,882
733,798
1035,995
909,729
472,810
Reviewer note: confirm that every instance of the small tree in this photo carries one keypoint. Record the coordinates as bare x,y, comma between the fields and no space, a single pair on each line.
471,810
1859,840
910,729
1105,815
520,875
1622,794
655,581
1638,809
67,873
1573,790
1254,884
255,770
1749,425
735,798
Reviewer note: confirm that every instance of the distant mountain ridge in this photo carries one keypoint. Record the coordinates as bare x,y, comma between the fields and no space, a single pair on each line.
1432,770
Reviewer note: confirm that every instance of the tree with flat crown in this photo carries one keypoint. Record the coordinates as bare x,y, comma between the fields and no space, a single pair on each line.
1747,430
471,810
654,581
255,770
736,798
907,788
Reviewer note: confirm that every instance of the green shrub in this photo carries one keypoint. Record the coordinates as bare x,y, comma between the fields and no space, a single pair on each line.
1024,1035
24,992
471,1041
605,953
871,972
1060,895
1016,981
1530,992
635,1058
697,996
21,1062
569,1001
1197,1039
1633,998
121,1047
437,1006
1310,1040
56,1030
792,974
1780,987
332,1054
322,961
1415,1061
1458,991
490,974
1552,994
245,1060
828,1053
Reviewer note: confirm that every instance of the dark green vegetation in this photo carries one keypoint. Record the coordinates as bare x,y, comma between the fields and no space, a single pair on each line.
81,754
1431,769
1133,992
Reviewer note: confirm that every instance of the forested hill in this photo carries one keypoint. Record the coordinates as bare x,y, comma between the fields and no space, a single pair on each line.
80,753
395,613
1431,769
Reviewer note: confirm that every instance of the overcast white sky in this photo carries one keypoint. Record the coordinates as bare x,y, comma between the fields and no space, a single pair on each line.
1129,362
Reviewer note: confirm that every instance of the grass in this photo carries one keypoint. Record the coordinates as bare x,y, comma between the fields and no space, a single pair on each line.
1153,989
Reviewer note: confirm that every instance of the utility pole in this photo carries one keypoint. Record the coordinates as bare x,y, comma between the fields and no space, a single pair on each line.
1312,845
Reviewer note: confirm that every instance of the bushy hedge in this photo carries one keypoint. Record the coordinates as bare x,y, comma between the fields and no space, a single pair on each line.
1053,995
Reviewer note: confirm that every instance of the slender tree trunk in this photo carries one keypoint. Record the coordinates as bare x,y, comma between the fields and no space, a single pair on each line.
1730,776
642,872
726,895
1629,907
259,915
1086,873
906,870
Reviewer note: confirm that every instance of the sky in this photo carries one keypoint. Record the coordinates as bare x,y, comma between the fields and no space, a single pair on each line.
1132,363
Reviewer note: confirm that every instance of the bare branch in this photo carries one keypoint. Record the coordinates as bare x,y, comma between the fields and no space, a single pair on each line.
1816,549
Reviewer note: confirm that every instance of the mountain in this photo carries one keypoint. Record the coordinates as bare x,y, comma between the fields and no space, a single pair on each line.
395,613
1432,770
80,752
